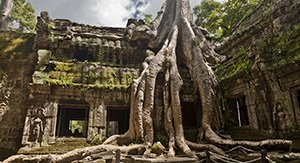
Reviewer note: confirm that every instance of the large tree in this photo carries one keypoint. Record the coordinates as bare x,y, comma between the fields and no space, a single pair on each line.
23,16
221,18
173,35
170,36
17,15
5,10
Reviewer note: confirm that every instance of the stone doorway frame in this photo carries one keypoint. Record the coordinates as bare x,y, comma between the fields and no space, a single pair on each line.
63,106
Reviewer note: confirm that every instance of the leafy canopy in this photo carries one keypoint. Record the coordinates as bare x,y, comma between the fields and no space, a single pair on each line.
148,18
220,18
22,16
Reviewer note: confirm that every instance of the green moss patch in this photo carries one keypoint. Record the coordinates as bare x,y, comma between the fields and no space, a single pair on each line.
238,65
89,75
17,45
282,50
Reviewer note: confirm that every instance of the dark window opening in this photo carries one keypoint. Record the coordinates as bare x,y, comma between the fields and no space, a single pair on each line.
84,54
189,114
236,112
118,120
72,121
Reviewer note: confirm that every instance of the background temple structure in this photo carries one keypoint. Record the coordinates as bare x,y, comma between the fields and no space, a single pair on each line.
72,81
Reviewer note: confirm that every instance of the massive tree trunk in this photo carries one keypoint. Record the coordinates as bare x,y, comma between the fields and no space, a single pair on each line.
5,10
171,35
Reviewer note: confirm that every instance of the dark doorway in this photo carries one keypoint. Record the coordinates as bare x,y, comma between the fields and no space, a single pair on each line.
83,54
118,120
236,113
189,114
72,121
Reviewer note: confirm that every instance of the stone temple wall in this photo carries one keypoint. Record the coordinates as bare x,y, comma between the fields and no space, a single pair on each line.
79,64
17,62
262,67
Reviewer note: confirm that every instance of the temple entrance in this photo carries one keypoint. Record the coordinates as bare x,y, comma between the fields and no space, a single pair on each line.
72,121
118,120
190,115
191,119
236,114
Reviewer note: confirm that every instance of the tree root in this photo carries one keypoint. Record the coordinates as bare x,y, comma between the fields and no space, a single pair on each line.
213,138
205,147
77,154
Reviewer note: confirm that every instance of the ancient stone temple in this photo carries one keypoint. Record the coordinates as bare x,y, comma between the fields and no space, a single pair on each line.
260,79
72,81
81,79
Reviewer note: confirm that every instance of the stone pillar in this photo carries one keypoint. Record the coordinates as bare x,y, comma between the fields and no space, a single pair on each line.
51,121
251,107
97,120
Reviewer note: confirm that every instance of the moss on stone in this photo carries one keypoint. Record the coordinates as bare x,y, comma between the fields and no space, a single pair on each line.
51,26
93,75
64,67
16,45
282,49
240,64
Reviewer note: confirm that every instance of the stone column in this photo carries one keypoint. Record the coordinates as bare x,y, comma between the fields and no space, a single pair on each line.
97,120
251,107
51,109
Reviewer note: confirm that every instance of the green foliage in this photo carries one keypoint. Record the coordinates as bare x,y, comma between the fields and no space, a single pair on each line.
240,64
285,48
148,18
77,124
23,16
220,19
